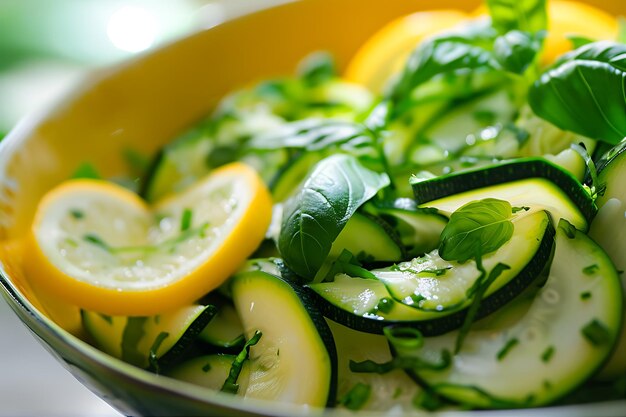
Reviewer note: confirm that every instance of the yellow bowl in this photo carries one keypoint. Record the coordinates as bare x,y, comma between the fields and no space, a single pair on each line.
142,104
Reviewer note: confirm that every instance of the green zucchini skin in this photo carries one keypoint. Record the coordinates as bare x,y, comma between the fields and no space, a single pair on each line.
224,331
434,323
146,341
609,231
548,325
504,172
262,301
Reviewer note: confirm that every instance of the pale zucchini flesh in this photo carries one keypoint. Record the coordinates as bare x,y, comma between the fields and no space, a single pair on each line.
538,349
294,361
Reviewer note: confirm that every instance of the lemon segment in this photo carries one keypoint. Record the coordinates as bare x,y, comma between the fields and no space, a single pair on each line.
385,53
100,247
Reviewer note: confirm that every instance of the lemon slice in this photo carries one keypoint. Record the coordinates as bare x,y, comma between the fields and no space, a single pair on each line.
100,247
385,52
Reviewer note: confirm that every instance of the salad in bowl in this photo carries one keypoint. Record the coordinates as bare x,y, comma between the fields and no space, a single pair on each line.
425,217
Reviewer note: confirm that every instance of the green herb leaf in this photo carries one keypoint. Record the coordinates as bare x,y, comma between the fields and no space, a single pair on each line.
356,398
596,333
547,354
510,344
476,229
314,135
402,362
468,48
317,68
591,269
314,217
516,50
583,92
185,219
526,15
231,385
86,170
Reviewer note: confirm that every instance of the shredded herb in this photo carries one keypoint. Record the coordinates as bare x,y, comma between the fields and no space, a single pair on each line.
87,171
357,397
402,362
404,337
231,385
77,214
152,356
585,295
596,333
428,400
547,354
97,240
384,305
591,269
510,344
185,219
206,367
478,290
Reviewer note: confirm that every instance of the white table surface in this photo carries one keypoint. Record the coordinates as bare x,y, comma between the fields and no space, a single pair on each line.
33,383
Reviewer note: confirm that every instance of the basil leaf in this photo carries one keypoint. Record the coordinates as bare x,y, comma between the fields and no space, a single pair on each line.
476,229
584,92
317,68
526,15
468,48
314,217
515,51
314,135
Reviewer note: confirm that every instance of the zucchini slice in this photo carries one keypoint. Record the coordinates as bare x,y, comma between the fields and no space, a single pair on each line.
431,283
563,333
210,371
523,182
225,329
368,304
609,231
295,359
154,342
418,229
389,390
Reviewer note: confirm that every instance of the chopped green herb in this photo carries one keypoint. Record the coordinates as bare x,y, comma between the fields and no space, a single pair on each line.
547,354
547,384
402,362
87,171
152,358
185,219
510,344
206,367
404,337
591,269
356,398
231,385
428,400
596,333
585,295
77,214
96,240
384,305
397,393
477,291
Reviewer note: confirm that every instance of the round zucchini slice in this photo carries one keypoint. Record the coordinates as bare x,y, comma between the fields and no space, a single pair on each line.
563,332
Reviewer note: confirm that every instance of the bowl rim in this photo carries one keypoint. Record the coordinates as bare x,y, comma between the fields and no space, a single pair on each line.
29,314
